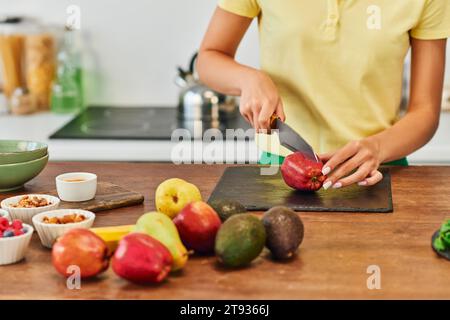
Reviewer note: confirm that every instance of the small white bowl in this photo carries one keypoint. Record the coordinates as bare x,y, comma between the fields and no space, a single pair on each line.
5,214
26,214
13,249
48,233
76,191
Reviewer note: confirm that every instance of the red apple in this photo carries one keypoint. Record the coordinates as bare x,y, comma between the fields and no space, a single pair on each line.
302,173
142,259
197,225
81,248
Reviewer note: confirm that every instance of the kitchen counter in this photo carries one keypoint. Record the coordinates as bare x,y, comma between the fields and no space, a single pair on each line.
40,126
337,250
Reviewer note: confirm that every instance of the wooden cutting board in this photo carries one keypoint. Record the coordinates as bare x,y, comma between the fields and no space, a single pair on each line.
261,192
109,196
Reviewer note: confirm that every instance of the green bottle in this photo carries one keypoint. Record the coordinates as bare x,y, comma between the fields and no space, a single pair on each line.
67,89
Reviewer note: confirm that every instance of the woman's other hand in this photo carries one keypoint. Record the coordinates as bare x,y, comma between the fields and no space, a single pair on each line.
356,162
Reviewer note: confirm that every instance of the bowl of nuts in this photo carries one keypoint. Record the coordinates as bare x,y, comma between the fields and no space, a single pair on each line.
26,206
52,224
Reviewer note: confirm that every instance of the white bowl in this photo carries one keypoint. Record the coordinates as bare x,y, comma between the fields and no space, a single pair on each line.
5,214
48,233
26,214
76,191
13,249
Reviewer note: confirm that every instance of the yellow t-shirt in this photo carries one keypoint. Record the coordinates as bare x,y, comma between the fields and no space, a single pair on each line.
338,64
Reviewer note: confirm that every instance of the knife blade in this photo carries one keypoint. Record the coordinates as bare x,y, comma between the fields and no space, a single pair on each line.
290,139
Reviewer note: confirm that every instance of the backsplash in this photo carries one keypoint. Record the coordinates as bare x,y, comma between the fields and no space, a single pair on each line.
131,51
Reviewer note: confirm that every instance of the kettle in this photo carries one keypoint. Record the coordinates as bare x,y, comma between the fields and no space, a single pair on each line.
197,102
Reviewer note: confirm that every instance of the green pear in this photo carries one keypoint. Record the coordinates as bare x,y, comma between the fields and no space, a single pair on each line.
160,226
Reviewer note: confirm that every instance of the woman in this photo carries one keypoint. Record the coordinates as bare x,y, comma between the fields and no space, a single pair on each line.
333,70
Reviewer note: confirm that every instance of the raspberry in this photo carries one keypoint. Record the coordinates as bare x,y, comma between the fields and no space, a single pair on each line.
4,223
17,224
18,232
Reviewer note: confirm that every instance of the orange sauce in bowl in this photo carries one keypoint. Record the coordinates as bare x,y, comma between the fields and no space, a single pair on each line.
74,180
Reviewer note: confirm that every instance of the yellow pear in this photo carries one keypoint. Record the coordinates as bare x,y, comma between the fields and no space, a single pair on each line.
174,194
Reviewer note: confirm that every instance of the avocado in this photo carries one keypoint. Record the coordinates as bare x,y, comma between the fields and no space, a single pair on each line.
240,240
284,230
226,208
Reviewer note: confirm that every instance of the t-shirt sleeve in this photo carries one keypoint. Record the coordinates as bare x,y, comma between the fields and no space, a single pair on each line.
434,22
246,8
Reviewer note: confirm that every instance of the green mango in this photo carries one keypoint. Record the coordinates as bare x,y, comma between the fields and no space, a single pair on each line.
160,226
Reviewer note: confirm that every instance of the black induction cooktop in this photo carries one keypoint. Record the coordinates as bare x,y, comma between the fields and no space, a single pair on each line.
137,123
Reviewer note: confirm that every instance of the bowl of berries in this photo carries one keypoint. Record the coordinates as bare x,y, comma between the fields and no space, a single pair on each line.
4,214
15,237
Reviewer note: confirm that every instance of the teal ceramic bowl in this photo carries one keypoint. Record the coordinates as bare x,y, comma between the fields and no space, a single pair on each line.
14,176
17,151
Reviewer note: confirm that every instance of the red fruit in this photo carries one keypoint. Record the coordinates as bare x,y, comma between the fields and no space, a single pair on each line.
81,248
302,173
4,223
142,259
18,232
197,225
17,224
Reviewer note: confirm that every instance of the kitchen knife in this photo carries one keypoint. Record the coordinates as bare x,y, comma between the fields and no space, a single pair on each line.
290,139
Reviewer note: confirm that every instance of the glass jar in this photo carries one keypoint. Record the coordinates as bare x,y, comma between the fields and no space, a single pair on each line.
40,49
67,89
12,52
27,54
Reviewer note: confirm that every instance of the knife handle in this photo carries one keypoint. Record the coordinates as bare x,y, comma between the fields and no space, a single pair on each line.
273,122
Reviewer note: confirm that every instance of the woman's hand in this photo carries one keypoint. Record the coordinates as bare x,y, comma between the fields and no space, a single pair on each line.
218,69
260,100
357,162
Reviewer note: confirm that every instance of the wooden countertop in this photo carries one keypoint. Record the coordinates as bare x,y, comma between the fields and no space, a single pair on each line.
332,261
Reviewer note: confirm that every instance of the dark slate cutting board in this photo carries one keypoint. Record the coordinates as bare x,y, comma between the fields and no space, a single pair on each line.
261,192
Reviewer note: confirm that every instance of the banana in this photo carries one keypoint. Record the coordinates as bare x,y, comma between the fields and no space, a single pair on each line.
112,235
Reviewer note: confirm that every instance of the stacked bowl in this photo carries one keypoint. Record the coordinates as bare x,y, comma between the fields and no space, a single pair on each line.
20,161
